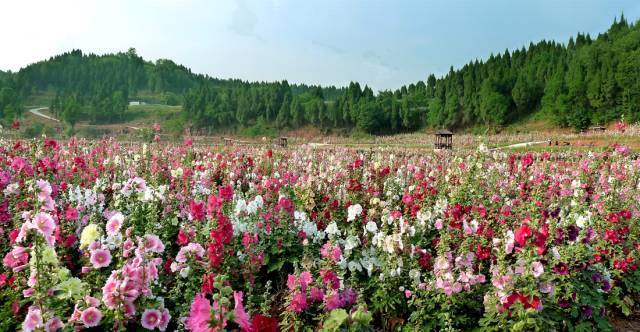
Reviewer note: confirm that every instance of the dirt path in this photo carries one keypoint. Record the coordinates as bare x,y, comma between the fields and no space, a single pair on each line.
36,111
520,145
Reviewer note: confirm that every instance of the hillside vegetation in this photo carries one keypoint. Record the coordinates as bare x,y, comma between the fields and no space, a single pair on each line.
586,81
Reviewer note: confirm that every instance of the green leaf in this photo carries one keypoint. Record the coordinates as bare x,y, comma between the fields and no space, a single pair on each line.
335,320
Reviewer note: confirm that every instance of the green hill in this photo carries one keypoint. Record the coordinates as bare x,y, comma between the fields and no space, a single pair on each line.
587,80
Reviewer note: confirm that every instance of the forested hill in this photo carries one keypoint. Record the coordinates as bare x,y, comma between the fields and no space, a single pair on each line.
586,80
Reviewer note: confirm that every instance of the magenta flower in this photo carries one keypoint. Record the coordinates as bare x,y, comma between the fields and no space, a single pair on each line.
298,302
91,317
100,258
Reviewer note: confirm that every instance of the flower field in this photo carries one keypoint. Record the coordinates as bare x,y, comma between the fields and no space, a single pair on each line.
176,237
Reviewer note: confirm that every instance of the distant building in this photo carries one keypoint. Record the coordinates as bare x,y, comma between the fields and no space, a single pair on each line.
444,139
136,102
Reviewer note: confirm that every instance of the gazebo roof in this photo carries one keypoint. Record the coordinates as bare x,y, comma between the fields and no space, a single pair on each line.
443,132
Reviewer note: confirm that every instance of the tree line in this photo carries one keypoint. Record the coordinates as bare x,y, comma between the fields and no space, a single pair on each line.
583,82
586,81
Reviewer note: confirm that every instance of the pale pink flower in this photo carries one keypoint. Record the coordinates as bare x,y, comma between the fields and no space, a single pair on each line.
17,259
537,269
153,243
114,223
44,223
33,320
151,318
91,317
44,190
192,248
407,293
100,258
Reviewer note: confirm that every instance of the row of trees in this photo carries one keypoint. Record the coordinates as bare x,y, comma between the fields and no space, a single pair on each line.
586,81
10,105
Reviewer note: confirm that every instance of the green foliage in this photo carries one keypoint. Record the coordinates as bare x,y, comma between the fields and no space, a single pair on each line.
341,320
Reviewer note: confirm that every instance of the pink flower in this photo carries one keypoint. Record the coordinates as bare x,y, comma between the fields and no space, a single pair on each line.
44,190
199,315
225,192
16,259
407,293
33,320
91,317
298,302
537,269
316,294
240,316
151,318
164,320
54,324
100,258
71,213
305,280
152,243
332,301
336,253
291,282
114,223
45,224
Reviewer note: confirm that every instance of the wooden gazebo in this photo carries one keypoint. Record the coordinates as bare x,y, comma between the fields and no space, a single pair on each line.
444,139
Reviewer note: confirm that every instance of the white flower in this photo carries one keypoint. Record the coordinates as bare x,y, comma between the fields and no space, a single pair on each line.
332,229
353,211
372,227
185,272
241,206
351,242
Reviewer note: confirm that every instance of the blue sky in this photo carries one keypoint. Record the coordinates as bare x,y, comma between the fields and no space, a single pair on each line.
384,44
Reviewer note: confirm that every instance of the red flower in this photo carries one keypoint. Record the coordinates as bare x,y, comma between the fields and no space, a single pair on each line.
523,234
425,260
183,238
483,253
197,210
226,193
207,283
526,160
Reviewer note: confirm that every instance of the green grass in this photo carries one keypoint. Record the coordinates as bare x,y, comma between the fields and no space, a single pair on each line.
152,113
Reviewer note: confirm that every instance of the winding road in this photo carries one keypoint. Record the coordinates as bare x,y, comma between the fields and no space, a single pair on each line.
36,111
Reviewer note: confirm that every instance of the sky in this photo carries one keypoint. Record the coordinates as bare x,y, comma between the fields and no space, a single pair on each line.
384,44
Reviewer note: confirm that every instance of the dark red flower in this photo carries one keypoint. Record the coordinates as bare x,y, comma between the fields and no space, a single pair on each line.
262,323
